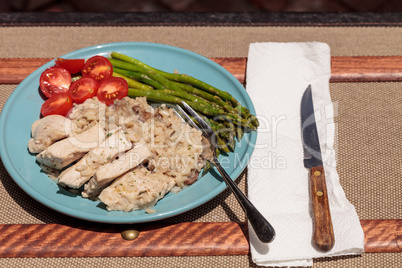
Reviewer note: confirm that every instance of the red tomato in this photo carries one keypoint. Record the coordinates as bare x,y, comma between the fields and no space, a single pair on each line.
97,67
60,103
54,80
83,89
73,66
113,88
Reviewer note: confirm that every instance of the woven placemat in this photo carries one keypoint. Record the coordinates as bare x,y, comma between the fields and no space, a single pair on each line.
32,42
366,261
367,115
368,146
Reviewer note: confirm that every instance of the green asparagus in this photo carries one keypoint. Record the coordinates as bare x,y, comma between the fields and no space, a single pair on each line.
159,96
218,108
186,79
132,83
139,77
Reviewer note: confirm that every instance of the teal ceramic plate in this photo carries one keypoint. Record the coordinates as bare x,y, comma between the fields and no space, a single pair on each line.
23,108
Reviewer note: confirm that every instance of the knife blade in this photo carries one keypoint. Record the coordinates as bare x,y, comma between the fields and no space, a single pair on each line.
323,233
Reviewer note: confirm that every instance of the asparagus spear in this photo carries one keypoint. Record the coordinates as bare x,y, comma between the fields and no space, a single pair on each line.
186,79
221,136
139,77
163,81
205,95
209,101
183,78
190,97
221,131
170,85
156,95
249,121
132,83
124,70
239,132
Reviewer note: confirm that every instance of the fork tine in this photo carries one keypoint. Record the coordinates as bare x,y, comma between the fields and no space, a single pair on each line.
198,118
186,118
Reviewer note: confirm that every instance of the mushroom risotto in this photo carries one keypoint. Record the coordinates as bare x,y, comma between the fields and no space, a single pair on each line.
127,155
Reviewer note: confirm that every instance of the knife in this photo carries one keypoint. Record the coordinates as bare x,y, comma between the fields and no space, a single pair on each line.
323,233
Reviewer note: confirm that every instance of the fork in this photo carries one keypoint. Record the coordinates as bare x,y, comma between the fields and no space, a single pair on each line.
262,228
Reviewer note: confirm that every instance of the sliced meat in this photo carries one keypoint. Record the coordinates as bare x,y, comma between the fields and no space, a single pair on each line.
115,144
136,190
48,130
107,173
64,152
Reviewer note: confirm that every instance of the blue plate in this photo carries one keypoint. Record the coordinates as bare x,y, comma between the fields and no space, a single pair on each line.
23,108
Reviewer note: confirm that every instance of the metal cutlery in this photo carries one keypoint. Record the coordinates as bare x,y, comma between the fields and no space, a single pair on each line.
263,229
323,233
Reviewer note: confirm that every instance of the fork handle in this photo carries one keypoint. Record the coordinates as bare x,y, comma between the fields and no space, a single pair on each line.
262,228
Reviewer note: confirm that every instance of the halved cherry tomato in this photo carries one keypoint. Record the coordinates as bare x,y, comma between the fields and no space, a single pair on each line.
113,88
97,67
60,103
54,80
83,89
73,66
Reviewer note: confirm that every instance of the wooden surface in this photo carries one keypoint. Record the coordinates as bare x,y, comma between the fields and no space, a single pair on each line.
184,239
382,235
13,71
366,69
323,231
344,69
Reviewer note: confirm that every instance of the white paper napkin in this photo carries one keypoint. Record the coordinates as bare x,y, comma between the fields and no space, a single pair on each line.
278,185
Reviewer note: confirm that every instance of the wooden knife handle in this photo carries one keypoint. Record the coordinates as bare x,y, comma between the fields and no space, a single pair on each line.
323,232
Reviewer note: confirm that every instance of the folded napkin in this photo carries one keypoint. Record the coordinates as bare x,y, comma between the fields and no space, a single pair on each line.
278,184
